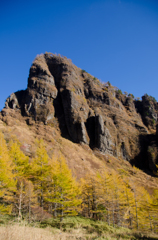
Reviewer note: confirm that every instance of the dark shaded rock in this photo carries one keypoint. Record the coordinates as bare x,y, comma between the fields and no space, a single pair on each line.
141,128
148,111
41,92
15,100
74,116
90,127
121,97
102,136
157,132
124,152
152,157
130,104
94,92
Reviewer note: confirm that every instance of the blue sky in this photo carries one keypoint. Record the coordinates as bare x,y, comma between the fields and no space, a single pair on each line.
114,40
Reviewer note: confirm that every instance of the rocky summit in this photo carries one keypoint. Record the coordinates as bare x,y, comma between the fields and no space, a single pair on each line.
86,111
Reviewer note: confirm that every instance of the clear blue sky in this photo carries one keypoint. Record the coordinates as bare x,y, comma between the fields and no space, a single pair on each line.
114,40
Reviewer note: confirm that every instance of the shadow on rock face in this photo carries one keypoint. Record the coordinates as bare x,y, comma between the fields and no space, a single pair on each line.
147,158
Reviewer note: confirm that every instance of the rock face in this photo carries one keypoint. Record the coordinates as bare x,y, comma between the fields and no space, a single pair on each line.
87,111
148,109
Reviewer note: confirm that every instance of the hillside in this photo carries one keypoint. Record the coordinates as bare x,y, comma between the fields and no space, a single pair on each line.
97,129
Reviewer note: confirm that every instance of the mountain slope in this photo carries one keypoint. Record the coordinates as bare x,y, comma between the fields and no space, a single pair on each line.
85,111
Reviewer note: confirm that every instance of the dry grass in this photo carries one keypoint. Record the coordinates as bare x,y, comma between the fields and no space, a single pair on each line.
17,232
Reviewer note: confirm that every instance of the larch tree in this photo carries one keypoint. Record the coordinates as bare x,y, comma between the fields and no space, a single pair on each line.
62,191
7,182
145,209
20,162
104,182
40,172
21,170
154,211
91,204
112,196
30,199
129,203
120,198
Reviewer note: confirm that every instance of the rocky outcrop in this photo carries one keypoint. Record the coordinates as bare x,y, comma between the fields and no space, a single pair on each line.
86,111
14,101
103,139
148,109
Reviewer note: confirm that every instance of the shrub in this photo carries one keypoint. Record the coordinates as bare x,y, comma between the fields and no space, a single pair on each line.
131,95
119,91
84,71
150,98
137,99
153,121
109,84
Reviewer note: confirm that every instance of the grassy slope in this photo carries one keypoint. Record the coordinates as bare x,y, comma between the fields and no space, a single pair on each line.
80,158
71,228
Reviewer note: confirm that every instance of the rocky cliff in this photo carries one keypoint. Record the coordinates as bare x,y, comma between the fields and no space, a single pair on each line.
86,111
